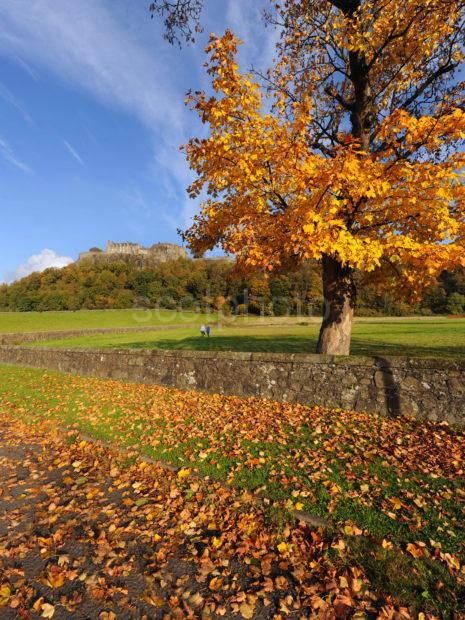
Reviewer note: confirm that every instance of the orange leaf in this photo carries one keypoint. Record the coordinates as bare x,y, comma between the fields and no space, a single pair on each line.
215,583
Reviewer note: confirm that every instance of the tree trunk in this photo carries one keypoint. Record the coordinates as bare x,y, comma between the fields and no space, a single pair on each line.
339,294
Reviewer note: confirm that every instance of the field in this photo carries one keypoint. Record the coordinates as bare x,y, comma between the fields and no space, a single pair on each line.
16,322
431,337
392,489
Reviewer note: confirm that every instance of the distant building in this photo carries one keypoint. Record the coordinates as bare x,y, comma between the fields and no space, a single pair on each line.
157,253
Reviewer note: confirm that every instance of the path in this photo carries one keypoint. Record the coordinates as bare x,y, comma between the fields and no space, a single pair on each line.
61,554
58,557
85,536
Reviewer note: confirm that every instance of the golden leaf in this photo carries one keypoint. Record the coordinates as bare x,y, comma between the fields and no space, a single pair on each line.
215,583
5,594
47,610
282,547
183,473
247,611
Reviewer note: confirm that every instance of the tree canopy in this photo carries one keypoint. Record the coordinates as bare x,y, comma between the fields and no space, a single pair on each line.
209,286
349,150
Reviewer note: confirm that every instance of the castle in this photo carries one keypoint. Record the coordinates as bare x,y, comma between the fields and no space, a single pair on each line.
157,253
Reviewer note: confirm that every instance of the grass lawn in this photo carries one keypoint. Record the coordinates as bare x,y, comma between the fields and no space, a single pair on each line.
394,488
438,337
88,319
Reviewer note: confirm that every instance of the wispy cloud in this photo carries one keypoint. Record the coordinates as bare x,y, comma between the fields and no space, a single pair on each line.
27,67
87,45
101,55
72,151
101,47
7,95
259,43
9,156
38,262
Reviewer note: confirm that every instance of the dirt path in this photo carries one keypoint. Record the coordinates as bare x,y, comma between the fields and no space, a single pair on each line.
84,535
55,562
74,541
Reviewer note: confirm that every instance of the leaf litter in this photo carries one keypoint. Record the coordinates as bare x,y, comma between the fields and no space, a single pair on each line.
394,489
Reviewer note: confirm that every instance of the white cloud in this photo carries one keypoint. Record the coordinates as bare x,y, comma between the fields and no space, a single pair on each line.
85,44
73,152
27,68
38,262
9,156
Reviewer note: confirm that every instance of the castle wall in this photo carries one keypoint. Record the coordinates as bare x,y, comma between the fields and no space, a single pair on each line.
158,253
126,248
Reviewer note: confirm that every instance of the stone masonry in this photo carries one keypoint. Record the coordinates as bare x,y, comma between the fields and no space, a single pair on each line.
422,388
158,252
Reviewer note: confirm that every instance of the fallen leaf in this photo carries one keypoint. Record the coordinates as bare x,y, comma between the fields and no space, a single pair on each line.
183,473
5,594
47,610
247,611
215,583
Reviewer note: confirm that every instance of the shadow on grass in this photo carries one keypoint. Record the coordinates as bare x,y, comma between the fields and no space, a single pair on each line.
423,584
375,348
290,344
275,344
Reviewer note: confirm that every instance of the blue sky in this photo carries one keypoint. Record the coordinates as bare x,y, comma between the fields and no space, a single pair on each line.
91,119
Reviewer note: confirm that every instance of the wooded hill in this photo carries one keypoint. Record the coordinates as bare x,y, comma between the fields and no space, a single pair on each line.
192,284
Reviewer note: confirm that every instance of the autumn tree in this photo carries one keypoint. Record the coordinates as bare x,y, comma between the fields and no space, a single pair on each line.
349,150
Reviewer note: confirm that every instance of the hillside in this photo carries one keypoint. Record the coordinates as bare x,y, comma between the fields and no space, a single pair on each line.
200,284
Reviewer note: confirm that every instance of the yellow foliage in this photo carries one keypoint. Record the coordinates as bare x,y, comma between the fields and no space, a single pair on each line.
184,473
279,186
282,547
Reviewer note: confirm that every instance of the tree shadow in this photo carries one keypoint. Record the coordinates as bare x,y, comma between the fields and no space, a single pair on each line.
389,386
293,344
374,348
244,344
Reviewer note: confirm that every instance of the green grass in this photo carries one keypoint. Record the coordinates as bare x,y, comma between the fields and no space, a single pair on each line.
123,413
350,465
90,319
438,337
419,583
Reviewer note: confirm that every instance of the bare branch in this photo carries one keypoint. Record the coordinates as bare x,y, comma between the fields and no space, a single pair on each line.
181,18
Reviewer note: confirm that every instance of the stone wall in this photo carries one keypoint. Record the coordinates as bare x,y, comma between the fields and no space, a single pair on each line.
157,253
124,248
167,251
21,337
423,388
